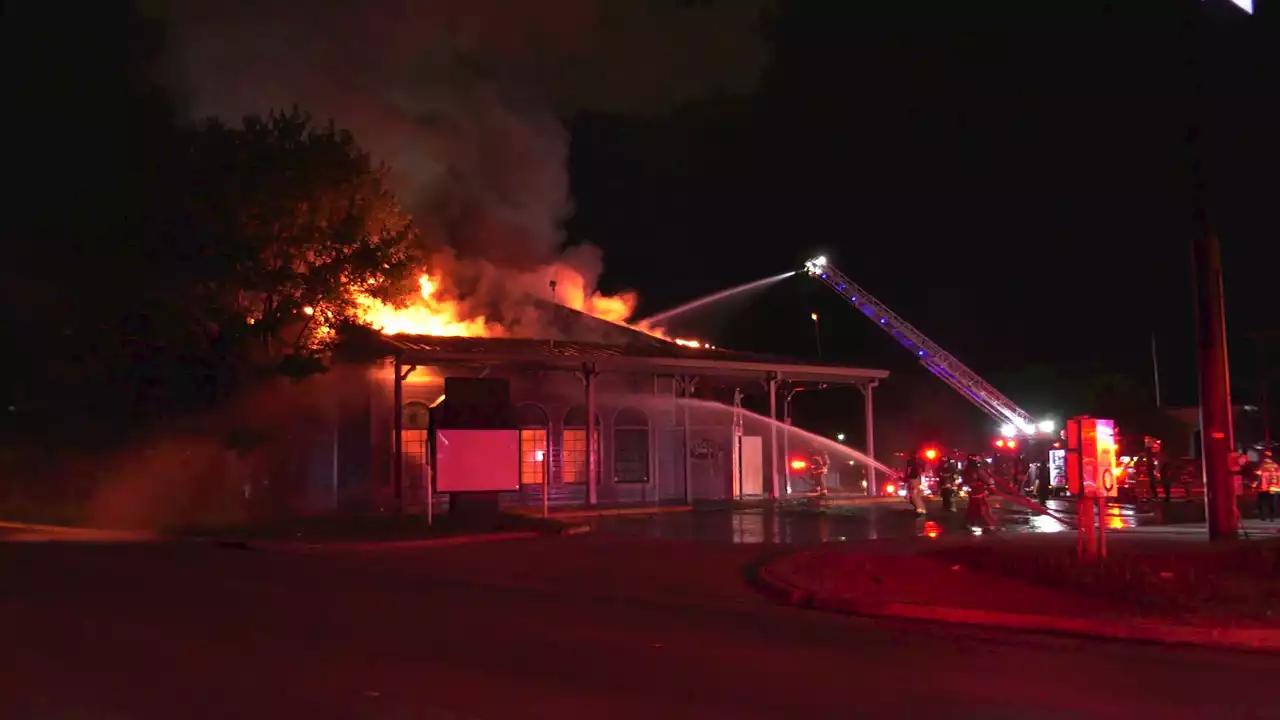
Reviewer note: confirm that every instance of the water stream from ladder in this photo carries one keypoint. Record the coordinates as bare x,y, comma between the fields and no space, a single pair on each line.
657,320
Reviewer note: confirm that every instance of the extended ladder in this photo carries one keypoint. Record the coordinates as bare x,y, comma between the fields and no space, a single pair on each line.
938,361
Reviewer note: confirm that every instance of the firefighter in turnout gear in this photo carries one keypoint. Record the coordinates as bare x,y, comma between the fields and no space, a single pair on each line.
978,479
947,472
914,478
1268,487
819,464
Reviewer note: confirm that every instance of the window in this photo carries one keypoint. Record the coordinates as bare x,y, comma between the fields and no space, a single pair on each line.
532,421
573,445
413,443
631,446
574,451
533,456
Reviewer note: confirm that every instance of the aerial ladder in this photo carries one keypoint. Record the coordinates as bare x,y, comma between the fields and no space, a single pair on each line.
1013,419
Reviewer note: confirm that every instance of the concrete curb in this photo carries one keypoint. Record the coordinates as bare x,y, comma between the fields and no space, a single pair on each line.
451,541
606,512
1253,639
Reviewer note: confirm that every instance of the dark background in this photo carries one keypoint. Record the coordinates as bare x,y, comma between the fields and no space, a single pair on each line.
1012,178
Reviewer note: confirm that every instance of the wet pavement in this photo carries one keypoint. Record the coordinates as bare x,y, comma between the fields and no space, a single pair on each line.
810,522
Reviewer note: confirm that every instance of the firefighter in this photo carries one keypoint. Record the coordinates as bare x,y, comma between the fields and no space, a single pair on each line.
1043,485
1268,487
819,464
1021,469
947,483
915,481
1146,475
978,479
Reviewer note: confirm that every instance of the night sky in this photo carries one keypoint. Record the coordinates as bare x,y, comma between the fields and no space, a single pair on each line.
1011,178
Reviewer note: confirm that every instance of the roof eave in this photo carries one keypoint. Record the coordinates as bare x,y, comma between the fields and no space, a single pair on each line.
711,366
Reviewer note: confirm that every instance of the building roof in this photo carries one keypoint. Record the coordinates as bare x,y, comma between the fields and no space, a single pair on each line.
609,347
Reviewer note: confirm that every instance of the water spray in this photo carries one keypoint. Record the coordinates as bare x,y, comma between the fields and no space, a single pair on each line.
713,297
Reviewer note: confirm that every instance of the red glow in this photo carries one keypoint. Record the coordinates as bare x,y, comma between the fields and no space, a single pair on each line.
1013,444
931,454
1000,443
889,488
799,464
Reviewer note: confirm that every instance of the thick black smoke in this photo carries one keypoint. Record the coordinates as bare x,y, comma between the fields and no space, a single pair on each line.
464,98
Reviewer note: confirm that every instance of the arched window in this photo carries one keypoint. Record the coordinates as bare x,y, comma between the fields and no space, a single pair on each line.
573,445
631,446
533,424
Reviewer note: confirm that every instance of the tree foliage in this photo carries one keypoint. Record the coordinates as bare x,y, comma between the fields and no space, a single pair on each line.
155,261
293,219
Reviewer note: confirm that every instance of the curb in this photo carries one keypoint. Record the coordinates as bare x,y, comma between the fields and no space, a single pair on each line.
608,512
386,545
1254,639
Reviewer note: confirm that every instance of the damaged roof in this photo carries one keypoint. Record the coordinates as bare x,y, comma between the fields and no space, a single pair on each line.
582,338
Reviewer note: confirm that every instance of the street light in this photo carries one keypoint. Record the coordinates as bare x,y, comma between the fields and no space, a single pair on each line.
840,437
817,333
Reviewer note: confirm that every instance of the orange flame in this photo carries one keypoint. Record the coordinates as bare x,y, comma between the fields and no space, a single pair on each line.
430,315
434,314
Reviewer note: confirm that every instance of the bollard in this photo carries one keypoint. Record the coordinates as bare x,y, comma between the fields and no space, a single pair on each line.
1086,534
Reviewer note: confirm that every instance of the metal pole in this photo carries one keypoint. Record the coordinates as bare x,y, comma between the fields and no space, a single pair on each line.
869,411
1211,341
1263,381
773,436
337,423
817,334
786,440
397,441
687,391
593,460
1155,368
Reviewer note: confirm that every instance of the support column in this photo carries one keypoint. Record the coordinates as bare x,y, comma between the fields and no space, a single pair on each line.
869,412
786,440
593,438
773,436
687,385
397,440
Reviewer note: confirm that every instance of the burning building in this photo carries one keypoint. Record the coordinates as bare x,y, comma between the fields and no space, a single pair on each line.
652,435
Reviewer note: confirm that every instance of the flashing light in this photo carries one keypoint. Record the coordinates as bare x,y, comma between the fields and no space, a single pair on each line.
931,454
813,317
1012,444
1008,430
1000,443
890,489
840,437
1046,426
816,265
799,464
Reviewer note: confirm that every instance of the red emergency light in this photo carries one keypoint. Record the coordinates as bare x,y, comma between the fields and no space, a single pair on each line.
930,454
799,464
1000,443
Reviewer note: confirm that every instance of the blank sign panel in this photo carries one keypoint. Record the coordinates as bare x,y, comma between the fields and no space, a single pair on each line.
477,460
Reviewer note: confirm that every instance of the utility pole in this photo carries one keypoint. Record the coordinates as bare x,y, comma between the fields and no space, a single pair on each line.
1214,377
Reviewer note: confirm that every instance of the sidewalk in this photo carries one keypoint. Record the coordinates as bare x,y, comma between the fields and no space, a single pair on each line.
938,586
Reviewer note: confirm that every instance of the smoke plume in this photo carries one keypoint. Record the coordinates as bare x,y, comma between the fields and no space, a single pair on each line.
464,98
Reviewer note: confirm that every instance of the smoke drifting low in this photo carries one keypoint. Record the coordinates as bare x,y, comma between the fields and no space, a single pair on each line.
464,98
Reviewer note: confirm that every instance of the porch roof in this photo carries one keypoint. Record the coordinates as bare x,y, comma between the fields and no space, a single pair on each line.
653,356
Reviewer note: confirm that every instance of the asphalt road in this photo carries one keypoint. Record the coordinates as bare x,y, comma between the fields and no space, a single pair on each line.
591,626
